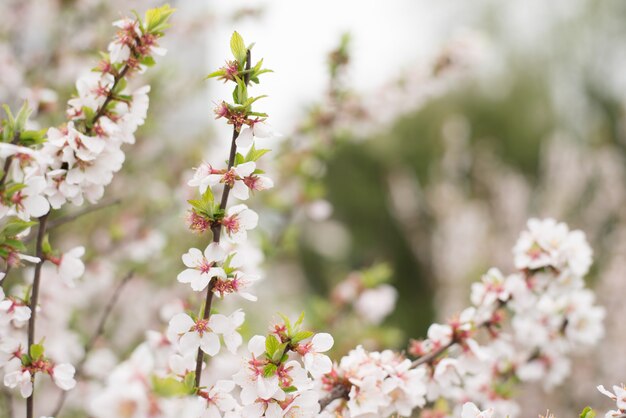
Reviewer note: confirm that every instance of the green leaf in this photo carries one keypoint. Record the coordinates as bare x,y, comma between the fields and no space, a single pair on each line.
226,264
301,335
36,351
119,88
298,323
15,244
269,370
15,226
242,91
588,413
190,382
156,19
169,387
22,117
7,110
279,354
271,345
239,159
30,138
218,73
89,113
238,48
251,100
148,61
45,246
254,154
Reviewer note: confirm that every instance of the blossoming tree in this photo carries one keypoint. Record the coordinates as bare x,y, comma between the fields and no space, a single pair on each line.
520,327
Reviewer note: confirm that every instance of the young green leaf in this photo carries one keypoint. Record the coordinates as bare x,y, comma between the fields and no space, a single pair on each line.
238,48
36,351
269,370
22,117
588,413
271,345
156,19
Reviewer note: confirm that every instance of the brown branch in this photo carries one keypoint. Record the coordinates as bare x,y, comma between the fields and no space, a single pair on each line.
73,216
94,337
338,392
217,229
430,357
109,97
54,223
41,233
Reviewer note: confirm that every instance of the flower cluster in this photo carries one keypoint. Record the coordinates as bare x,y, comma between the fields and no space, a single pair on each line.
375,384
551,316
272,384
219,269
84,154
20,368
42,171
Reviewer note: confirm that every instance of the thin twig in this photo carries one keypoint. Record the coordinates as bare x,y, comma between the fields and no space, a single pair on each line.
94,337
217,229
73,216
428,358
55,223
338,392
41,233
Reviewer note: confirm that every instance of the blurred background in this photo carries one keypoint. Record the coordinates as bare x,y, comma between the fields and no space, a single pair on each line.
418,138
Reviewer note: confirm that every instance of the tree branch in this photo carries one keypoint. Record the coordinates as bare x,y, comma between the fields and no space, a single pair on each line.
338,392
217,228
41,233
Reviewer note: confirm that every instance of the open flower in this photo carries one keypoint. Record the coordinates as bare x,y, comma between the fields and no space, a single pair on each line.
238,221
218,399
29,201
618,395
316,363
19,378
69,266
259,129
190,334
202,267
63,376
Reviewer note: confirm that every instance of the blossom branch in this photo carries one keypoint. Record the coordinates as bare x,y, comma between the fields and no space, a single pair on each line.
216,229
41,233
430,357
